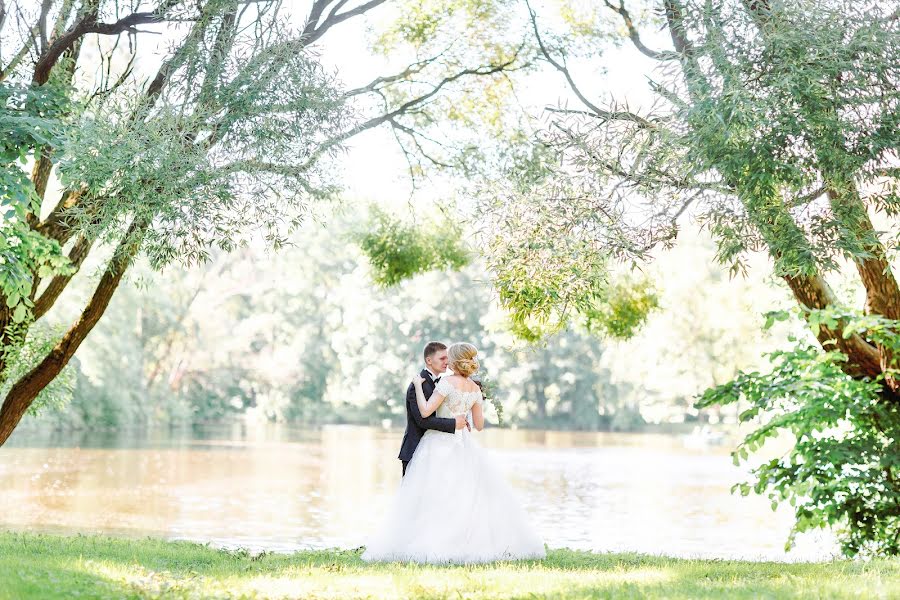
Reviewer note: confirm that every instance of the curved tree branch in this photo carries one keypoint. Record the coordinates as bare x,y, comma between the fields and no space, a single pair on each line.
409,104
675,21
559,66
59,283
634,35
315,30
88,24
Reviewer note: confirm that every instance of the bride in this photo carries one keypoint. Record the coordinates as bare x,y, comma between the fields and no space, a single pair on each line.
453,505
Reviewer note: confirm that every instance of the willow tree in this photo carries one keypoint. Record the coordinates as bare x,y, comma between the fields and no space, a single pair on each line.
776,125
229,135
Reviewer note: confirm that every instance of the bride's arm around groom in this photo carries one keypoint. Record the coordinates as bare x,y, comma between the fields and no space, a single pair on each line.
429,406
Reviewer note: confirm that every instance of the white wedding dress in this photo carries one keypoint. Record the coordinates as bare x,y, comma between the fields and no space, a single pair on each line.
453,505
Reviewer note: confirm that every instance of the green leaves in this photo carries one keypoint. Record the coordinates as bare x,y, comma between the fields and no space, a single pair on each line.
544,282
625,309
30,117
547,265
400,250
22,252
20,313
750,132
489,391
235,148
841,470
773,316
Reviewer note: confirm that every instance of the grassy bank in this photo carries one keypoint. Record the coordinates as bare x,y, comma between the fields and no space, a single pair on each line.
45,567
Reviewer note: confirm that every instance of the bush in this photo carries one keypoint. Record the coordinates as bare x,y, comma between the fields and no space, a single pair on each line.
843,468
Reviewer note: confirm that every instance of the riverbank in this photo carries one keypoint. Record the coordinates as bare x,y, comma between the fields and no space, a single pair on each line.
47,567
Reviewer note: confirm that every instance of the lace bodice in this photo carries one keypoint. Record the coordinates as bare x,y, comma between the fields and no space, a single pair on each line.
456,402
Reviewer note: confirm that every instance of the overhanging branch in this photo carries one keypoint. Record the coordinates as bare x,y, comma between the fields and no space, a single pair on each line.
558,65
89,24
408,105
315,30
633,34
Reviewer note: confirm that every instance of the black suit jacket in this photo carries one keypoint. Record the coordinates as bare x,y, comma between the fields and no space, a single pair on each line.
416,425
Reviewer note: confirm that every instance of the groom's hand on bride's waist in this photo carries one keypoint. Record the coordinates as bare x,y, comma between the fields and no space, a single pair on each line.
461,422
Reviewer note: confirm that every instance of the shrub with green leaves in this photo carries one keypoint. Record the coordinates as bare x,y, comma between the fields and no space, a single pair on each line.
843,469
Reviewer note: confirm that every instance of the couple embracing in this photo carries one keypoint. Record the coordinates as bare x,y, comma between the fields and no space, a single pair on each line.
453,505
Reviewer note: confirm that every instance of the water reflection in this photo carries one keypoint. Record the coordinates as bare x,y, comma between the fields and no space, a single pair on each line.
283,488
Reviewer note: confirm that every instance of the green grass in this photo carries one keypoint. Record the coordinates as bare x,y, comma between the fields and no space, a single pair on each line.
46,567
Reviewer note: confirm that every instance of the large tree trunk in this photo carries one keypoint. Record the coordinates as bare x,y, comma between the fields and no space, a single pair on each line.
58,284
810,291
882,291
28,387
815,293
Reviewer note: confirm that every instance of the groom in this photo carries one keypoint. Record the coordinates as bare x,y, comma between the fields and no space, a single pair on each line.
435,365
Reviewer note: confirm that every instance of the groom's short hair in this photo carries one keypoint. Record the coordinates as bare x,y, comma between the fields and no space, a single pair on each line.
432,347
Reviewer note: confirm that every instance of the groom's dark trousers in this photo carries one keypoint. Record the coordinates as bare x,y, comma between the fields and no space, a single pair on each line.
416,425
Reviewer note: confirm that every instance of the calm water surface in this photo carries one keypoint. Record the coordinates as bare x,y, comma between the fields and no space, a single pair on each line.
281,488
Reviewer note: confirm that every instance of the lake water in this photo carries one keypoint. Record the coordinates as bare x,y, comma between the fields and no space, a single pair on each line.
281,488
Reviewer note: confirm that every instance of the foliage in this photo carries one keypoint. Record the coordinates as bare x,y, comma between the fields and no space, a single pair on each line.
302,336
49,567
549,283
398,250
842,470
228,139
746,132
23,253
625,309
548,273
773,125
760,117
29,119
792,120
445,36
490,393
249,172
546,278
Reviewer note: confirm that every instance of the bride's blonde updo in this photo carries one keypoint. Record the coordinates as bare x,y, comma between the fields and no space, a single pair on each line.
462,358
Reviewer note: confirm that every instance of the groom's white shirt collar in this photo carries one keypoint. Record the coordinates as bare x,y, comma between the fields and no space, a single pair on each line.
433,376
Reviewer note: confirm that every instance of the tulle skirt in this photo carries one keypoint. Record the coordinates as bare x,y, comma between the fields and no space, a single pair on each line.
453,506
